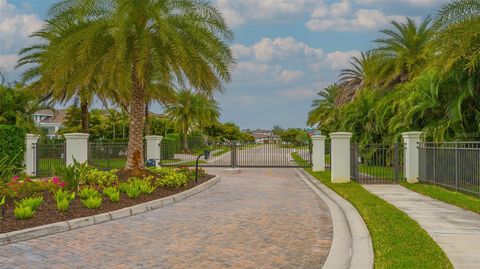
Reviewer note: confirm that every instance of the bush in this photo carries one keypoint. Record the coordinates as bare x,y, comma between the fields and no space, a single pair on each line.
71,174
175,180
92,202
23,212
132,191
63,205
62,199
32,202
177,141
12,144
92,176
112,193
88,192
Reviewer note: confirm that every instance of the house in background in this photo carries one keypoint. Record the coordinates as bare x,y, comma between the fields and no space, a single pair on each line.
265,137
49,121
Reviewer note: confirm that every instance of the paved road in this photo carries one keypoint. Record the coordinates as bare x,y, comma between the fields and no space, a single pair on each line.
259,218
455,230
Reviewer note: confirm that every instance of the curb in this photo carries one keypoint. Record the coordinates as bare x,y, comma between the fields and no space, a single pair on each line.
53,228
352,245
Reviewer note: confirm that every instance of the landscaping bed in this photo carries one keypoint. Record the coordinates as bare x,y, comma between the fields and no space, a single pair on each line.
156,184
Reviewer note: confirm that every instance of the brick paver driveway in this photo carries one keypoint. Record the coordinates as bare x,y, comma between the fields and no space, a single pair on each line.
259,218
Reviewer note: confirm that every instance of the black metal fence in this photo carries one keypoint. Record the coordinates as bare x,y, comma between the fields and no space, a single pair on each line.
454,165
236,154
328,156
377,164
48,156
107,155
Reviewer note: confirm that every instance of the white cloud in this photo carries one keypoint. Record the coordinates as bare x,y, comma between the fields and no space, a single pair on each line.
8,62
289,76
239,12
15,28
419,3
281,48
339,59
360,20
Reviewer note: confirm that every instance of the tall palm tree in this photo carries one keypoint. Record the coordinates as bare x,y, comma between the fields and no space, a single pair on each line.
404,50
323,107
191,111
458,38
132,47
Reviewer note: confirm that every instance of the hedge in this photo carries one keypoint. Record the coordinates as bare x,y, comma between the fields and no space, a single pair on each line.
12,143
177,141
168,148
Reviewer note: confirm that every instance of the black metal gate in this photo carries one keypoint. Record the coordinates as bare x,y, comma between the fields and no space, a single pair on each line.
377,163
48,156
235,154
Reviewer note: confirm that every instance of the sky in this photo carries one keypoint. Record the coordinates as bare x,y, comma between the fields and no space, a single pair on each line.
285,50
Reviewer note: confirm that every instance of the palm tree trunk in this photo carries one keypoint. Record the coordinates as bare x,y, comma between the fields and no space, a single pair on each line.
185,139
84,112
147,120
135,158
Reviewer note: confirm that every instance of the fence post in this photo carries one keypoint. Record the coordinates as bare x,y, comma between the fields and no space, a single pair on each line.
411,140
30,157
318,153
396,162
153,148
76,147
340,157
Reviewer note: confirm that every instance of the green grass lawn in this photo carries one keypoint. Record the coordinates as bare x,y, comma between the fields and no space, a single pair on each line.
398,241
299,160
221,151
455,198
109,164
384,172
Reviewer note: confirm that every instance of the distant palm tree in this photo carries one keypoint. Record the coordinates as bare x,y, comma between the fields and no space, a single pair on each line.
191,111
404,50
131,48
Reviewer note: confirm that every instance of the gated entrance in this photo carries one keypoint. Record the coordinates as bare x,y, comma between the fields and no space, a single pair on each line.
376,163
48,156
235,154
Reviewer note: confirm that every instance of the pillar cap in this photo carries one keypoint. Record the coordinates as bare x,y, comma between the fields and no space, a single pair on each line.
153,137
318,137
346,135
412,134
76,136
33,136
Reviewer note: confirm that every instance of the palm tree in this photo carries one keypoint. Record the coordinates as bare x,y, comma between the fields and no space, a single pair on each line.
191,111
133,47
322,107
458,39
404,50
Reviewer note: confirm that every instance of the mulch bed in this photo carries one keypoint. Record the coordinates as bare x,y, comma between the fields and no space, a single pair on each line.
48,213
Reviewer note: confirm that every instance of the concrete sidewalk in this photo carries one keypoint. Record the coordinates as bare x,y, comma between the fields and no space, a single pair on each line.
456,231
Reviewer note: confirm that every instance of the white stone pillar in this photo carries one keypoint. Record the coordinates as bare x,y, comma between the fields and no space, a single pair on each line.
411,140
76,147
340,157
30,158
153,147
318,153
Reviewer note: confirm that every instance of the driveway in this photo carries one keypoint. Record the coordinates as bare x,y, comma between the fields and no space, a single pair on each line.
258,218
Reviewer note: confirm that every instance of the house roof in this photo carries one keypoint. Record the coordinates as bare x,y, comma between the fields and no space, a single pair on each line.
55,117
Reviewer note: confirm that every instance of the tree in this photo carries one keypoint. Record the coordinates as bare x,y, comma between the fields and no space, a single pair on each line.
404,50
321,108
131,49
191,111
17,106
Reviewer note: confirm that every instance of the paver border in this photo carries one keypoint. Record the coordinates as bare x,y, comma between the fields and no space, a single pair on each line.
58,227
352,244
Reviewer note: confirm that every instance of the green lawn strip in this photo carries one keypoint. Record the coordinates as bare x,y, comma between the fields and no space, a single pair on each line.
221,151
109,163
455,198
299,160
398,241
379,171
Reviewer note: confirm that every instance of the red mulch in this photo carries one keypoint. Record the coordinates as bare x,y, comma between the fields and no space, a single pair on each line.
47,213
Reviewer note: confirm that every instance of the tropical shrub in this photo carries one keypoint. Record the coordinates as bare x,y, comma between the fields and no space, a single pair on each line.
62,199
88,192
32,202
7,169
71,174
136,186
2,205
21,212
92,202
12,145
132,191
175,180
102,179
168,147
112,193
63,205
